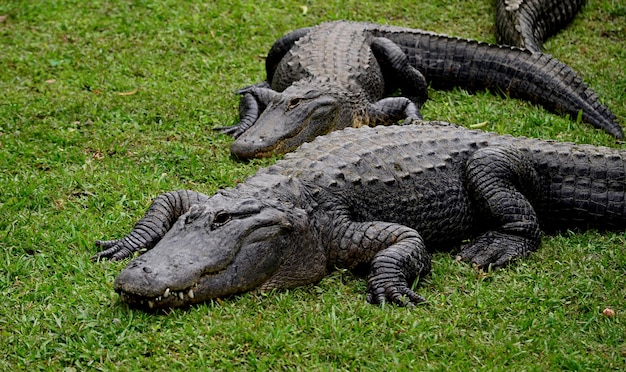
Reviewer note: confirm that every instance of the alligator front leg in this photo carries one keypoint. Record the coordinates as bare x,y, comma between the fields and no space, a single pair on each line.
396,255
254,100
164,211
498,180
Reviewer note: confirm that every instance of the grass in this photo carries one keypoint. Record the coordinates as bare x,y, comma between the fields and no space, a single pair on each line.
108,103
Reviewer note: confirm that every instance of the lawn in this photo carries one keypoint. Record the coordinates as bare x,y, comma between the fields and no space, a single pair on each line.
105,104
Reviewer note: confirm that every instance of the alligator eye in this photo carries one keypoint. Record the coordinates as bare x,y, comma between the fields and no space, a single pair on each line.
220,219
294,102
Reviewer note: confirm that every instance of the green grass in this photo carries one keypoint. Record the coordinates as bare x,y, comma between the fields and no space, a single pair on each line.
108,103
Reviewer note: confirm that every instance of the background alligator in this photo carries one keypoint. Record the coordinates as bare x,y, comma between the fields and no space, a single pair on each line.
335,75
527,23
377,199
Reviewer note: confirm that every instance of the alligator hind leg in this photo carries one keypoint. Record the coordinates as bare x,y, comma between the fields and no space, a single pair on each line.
390,110
280,48
527,23
500,180
164,211
398,72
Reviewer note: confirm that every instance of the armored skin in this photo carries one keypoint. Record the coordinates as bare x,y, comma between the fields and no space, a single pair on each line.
375,199
340,74
527,23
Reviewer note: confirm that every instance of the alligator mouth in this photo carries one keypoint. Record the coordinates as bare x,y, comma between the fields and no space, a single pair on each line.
275,148
169,298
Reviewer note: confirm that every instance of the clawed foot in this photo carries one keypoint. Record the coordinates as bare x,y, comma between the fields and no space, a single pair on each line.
394,291
234,130
114,250
493,250
249,111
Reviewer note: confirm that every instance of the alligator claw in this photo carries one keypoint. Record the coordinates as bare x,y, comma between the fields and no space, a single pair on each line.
252,103
245,90
109,247
233,130
493,250
250,88
398,294
114,250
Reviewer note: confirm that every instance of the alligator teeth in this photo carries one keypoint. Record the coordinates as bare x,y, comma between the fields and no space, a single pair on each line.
190,294
158,299
166,294
151,304
181,295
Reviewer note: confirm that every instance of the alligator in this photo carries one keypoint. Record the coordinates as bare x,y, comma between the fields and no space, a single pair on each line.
376,200
527,23
339,74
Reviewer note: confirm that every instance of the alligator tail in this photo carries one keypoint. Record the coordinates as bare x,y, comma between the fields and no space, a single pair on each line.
448,62
586,187
527,23
164,211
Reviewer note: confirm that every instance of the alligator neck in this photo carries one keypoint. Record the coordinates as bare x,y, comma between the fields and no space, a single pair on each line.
267,184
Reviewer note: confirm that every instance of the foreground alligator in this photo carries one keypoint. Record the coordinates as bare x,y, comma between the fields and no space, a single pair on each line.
527,23
372,198
335,75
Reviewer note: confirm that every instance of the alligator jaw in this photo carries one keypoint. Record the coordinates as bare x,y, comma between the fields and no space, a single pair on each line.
168,299
247,148
146,296
208,286
284,126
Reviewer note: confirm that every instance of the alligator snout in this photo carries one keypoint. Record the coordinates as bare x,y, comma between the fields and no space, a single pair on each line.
138,278
246,148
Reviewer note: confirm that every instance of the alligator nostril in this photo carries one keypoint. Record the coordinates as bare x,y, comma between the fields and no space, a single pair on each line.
147,269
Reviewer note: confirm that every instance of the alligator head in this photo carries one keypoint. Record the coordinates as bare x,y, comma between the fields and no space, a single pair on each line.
224,247
292,118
